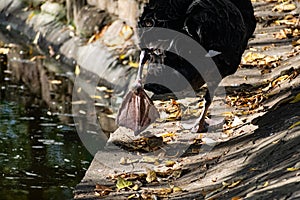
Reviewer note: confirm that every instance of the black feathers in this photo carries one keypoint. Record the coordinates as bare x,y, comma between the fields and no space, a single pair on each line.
219,25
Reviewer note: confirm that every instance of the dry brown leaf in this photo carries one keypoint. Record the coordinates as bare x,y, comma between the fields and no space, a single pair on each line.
102,190
280,35
284,7
169,136
160,191
287,33
260,60
288,20
174,110
151,175
236,198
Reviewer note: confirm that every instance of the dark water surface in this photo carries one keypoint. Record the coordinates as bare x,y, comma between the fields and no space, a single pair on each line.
41,157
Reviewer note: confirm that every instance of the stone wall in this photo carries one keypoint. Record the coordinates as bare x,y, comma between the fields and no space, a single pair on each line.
127,10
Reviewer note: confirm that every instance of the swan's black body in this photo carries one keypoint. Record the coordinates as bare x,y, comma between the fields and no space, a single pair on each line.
220,25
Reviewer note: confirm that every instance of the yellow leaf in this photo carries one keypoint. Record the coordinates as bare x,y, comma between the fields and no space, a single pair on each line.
151,175
291,169
131,196
294,125
266,184
177,189
135,187
234,184
122,183
296,99
225,184
96,97
122,56
168,134
30,16
77,70
133,64
176,173
170,163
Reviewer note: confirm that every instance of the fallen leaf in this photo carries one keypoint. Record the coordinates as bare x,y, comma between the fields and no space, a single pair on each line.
284,7
159,191
169,136
96,97
127,161
122,183
174,110
176,173
177,189
296,99
132,196
77,70
260,60
151,175
169,163
133,64
294,125
287,20
291,169
149,159
102,190
135,187
287,33
231,185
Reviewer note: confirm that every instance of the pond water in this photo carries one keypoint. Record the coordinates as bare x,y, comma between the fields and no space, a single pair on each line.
40,156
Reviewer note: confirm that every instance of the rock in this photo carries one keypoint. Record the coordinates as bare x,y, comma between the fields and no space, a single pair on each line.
55,9
126,10
90,20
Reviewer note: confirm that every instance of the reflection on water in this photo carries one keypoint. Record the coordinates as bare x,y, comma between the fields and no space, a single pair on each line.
40,158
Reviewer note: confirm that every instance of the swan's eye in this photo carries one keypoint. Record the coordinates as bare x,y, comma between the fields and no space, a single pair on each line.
149,22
